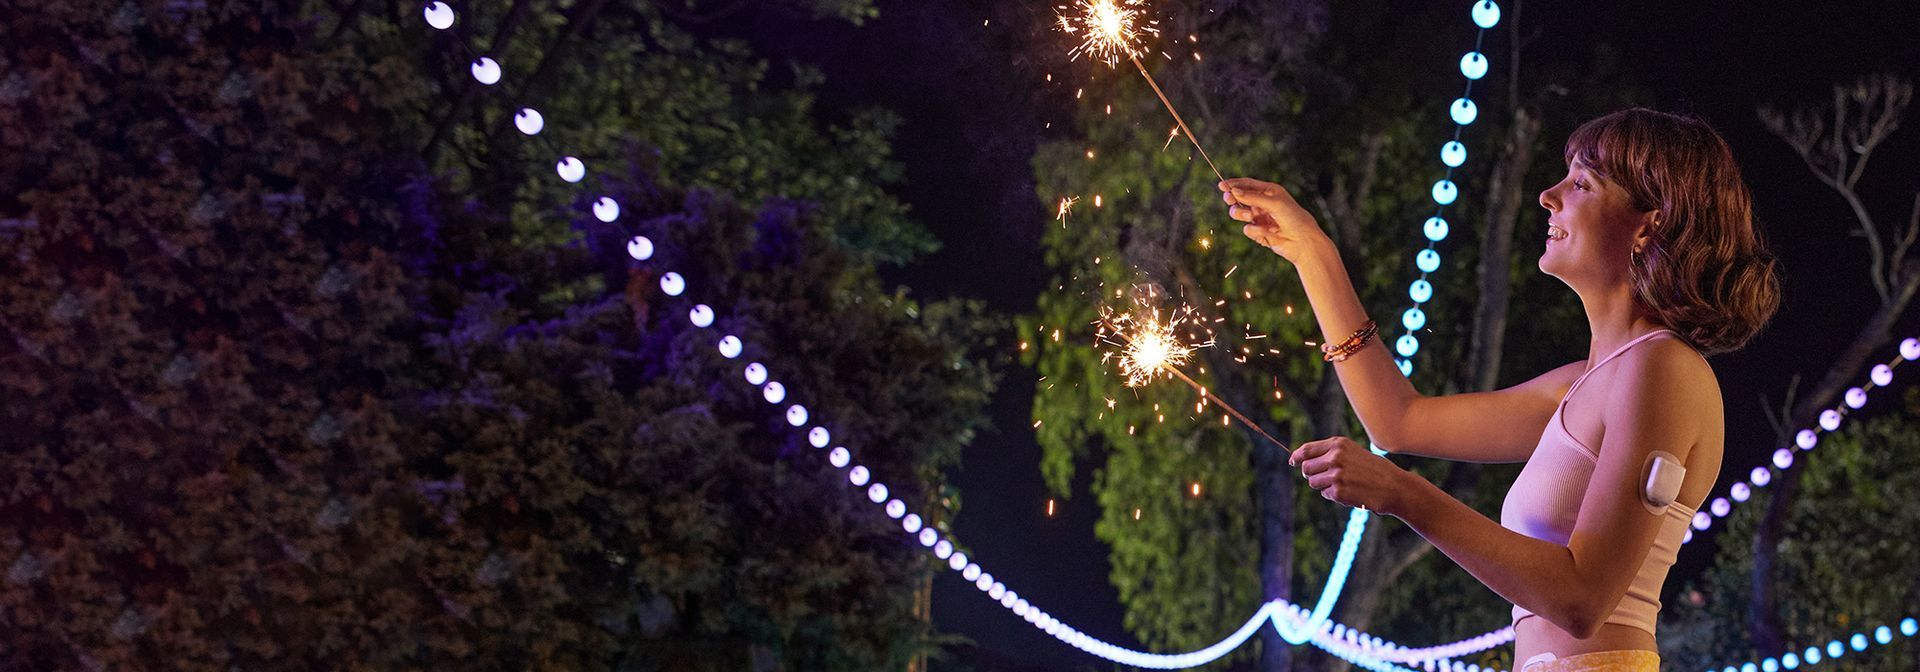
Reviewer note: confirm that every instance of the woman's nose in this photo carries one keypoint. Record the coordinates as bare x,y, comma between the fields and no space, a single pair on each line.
1549,200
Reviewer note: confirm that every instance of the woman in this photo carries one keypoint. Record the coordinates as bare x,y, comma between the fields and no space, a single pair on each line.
1652,227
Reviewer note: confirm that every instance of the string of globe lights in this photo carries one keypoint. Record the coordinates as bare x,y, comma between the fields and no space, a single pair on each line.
1292,621
1833,651
1453,154
1295,624
1881,375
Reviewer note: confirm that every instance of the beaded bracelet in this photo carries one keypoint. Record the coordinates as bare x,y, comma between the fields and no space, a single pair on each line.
1355,343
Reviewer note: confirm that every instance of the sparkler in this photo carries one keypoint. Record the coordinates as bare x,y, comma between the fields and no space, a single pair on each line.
1148,346
1109,31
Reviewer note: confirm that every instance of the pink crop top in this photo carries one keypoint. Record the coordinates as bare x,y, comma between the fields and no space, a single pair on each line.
1545,502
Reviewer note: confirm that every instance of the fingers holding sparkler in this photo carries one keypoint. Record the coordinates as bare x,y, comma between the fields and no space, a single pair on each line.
1149,346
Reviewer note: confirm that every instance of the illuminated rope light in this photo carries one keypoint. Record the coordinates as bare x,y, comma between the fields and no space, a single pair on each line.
1814,655
1881,375
1289,620
1453,154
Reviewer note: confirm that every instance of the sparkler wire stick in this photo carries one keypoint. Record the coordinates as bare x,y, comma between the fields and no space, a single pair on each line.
1176,115
1223,404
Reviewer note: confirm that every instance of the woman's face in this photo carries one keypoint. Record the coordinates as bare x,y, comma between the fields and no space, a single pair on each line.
1591,226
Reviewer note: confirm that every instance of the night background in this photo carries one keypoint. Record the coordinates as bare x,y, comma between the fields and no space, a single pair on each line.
311,361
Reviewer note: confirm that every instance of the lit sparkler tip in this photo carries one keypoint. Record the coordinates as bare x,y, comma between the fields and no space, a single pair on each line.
1109,29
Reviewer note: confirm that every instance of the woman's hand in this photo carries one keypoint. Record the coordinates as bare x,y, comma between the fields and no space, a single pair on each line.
1346,472
1274,219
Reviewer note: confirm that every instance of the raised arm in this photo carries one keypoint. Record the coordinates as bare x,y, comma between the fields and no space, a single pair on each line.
1498,426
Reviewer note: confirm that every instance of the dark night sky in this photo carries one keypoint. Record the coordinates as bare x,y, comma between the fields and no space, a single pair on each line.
974,105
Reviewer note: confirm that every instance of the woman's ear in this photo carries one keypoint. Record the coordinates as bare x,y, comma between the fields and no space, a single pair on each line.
1649,221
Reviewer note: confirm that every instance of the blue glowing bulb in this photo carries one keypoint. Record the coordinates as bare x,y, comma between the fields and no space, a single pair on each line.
1909,627
1486,14
1464,111
1473,65
1427,261
570,169
1835,649
1406,367
1770,665
1453,153
1435,228
1749,667
1859,642
1790,661
1420,291
606,209
439,15
1883,634
1812,654
1413,319
529,121
486,71
640,248
1407,345
1444,192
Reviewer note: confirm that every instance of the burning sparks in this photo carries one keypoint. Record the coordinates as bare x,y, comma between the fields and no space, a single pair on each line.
1148,346
1107,29
1066,208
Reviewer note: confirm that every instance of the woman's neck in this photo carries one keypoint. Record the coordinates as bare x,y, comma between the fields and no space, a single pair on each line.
1613,319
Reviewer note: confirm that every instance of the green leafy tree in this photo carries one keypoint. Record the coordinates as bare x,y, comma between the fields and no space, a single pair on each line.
307,369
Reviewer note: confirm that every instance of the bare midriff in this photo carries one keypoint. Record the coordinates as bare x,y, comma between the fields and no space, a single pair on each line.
1534,635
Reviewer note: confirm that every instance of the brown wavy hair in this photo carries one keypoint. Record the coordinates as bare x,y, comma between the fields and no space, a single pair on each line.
1705,271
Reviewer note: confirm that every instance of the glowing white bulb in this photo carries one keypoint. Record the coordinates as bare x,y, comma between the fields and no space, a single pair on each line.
673,284
928,537
1486,14
1829,419
486,71
1688,539
1701,521
1741,492
1883,634
1473,65
1020,608
896,509
1835,650
1909,627
1812,654
1856,398
877,492
606,209
1406,367
1453,153
773,392
1464,111
1783,458
640,248
1721,507
1882,375
859,475
756,374
1009,598
1444,192
1427,261
1407,345
1413,319
570,169
1769,665
997,591
1910,349
819,437
1435,228
943,549
1859,642
701,316
1790,661
439,15
911,523
529,121
985,582
971,573
957,561
796,415
1805,439
839,457
1420,291
1760,477
730,347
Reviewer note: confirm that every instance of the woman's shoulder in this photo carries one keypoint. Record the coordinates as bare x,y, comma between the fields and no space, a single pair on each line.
1671,368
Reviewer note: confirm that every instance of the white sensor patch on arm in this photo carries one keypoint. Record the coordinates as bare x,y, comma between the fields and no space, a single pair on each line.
1665,473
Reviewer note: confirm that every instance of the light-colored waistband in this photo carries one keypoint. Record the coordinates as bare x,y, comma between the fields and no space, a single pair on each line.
1627,660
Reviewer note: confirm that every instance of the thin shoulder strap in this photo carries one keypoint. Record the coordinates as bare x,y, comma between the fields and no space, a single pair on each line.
1610,357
